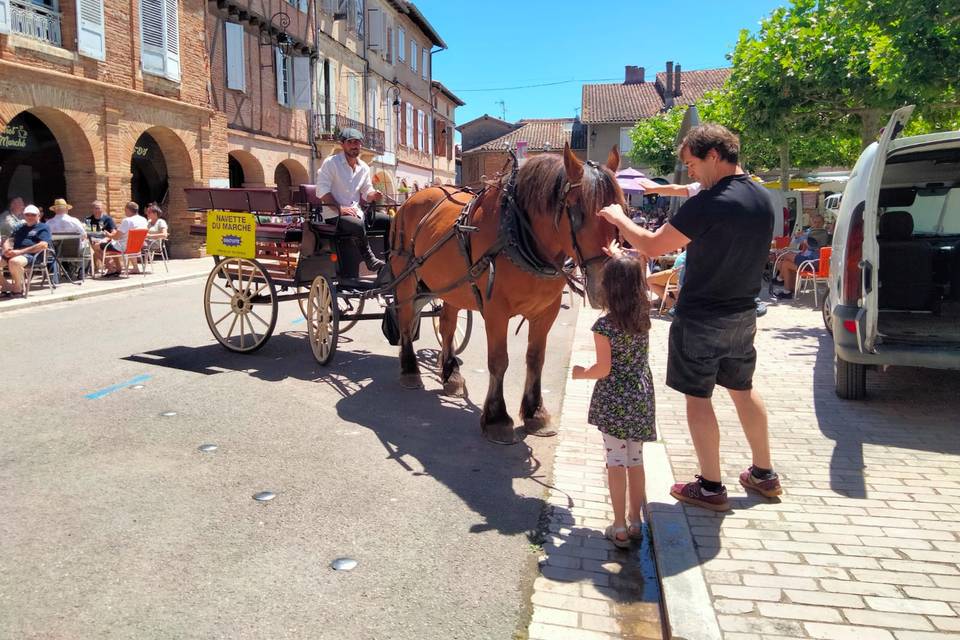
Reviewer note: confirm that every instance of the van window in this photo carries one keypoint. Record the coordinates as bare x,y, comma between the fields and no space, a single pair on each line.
927,208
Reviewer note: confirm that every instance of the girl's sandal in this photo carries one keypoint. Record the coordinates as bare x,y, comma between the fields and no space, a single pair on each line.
635,529
611,534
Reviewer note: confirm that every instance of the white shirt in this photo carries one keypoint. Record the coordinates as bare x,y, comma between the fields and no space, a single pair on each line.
129,224
65,223
693,189
345,184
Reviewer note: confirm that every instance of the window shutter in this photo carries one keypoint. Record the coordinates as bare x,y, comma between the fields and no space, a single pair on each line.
413,55
374,29
389,49
4,16
172,23
281,76
401,124
152,56
90,36
301,82
236,66
430,134
423,65
401,45
410,124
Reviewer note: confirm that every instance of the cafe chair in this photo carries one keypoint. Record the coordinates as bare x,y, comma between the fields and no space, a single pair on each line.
44,267
133,252
156,247
71,250
671,288
812,273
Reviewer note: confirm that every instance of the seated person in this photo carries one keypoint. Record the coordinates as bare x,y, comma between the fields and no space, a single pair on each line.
100,222
118,237
64,223
343,181
658,281
23,248
12,218
157,229
808,246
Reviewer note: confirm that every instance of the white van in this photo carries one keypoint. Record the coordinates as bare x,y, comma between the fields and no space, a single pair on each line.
895,272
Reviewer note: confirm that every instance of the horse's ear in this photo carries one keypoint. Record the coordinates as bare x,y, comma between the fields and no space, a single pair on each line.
613,160
570,162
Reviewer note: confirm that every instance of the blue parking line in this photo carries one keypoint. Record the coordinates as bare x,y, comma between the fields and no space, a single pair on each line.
299,320
117,387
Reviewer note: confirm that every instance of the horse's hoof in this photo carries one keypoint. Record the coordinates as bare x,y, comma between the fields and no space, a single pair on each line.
455,386
411,381
500,433
538,427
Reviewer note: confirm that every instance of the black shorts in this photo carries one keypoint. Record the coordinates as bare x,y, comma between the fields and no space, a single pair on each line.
715,351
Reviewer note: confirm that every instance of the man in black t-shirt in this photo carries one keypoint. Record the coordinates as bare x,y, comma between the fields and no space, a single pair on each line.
727,229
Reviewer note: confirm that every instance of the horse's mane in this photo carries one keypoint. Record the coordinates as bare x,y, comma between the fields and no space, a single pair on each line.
540,181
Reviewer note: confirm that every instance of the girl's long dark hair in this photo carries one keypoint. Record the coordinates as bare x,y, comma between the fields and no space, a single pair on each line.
624,287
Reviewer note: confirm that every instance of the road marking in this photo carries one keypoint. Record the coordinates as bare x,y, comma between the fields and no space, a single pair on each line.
96,395
298,320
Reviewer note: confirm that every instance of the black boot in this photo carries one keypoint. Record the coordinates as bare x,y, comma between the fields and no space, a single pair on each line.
373,262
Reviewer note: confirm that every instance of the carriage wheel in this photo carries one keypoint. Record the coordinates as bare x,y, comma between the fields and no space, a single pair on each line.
323,315
238,294
462,334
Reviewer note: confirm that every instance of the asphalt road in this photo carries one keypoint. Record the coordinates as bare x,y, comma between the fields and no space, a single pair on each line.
114,525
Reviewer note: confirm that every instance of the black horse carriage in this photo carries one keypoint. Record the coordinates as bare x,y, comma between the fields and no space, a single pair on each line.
298,255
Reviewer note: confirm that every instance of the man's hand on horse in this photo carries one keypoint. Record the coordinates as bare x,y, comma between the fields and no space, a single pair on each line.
614,214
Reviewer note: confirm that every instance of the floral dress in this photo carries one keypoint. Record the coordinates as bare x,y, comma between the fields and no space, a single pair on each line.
623,404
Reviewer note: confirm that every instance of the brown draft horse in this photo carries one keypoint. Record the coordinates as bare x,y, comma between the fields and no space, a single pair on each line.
559,198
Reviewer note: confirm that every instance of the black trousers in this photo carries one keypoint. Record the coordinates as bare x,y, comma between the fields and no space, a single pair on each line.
355,227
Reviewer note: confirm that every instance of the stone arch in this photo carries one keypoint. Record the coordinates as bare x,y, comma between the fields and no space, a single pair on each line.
298,173
79,160
252,169
287,177
180,175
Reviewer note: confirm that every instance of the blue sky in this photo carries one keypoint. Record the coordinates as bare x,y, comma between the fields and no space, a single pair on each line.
496,44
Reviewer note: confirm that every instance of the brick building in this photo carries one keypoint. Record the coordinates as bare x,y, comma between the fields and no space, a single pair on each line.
261,77
488,160
86,116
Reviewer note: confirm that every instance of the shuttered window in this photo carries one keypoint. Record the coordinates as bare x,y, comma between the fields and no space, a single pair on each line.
160,38
236,57
90,36
430,134
421,133
375,29
423,65
409,127
4,16
414,54
284,73
301,82
401,44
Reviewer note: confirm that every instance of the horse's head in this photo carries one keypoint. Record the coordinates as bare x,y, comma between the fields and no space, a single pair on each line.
588,187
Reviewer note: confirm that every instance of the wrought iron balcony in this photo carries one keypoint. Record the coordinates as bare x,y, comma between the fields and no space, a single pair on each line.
35,21
327,126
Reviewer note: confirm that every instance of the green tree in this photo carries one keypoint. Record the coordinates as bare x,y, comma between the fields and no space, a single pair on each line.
654,139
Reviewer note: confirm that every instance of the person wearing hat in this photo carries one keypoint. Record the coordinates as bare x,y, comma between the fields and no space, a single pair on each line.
343,181
21,249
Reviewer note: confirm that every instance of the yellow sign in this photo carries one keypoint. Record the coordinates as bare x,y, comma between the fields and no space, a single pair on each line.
231,234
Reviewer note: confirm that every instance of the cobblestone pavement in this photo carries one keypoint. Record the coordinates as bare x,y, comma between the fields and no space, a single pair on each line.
864,544
589,590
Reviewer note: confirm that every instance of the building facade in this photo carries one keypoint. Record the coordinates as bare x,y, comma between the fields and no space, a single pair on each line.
262,65
527,138
610,111
126,117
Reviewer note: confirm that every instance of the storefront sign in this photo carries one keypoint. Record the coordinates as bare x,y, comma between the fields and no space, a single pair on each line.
231,234
13,137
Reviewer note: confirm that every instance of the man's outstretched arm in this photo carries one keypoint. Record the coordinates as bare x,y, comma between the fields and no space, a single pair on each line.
649,243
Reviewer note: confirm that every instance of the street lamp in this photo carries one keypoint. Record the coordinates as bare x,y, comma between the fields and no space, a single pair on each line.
394,90
283,42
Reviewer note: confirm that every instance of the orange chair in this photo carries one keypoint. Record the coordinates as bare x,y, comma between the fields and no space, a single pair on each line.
781,242
133,251
814,272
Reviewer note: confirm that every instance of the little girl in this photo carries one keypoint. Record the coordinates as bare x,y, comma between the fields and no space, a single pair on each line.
622,405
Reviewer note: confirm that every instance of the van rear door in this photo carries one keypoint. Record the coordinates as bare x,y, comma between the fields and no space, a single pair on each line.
871,248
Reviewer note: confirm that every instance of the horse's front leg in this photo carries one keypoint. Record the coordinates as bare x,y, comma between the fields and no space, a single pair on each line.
495,422
409,368
453,382
536,418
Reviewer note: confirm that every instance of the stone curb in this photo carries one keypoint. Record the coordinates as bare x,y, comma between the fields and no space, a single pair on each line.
38,299
687,605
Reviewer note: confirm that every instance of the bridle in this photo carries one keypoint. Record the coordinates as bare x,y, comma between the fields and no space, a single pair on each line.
575,217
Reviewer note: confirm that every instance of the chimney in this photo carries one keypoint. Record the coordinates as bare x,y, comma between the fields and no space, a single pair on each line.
677,87
633,75
668,86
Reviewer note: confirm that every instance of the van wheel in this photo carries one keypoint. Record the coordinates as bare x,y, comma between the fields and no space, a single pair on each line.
850,379
827,315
